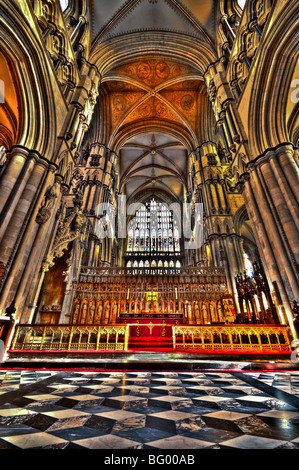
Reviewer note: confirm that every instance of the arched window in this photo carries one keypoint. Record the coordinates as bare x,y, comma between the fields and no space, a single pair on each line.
153,231
241,4
248,265
265,301
64,4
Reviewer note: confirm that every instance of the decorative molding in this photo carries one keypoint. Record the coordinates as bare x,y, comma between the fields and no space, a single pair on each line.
71,227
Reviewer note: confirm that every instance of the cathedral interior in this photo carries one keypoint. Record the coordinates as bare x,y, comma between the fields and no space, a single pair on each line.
149,164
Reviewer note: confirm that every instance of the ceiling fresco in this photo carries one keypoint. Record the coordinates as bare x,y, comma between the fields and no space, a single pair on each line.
154,88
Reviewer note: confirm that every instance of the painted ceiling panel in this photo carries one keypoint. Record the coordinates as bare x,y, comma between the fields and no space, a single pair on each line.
166,90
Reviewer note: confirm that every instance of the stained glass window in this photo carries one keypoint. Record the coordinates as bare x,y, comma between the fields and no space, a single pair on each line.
136,240
176,240
141,247
130,240
248,265
147,240
151,232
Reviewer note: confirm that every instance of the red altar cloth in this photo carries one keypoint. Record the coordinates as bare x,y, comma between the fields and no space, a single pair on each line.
151,329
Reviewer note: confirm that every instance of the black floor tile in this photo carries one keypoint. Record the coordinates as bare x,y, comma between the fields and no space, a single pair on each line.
73,434
100,424
143,435
40,421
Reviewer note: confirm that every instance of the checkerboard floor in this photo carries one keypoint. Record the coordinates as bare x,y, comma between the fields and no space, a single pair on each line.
42,409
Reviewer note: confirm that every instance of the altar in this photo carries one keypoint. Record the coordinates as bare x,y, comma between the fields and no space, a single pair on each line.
150,329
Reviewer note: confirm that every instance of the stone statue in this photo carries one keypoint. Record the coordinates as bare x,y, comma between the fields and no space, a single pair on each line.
189,313
99,313
205,314
107,313
213,312
220,313
114,313
196,309
84,313
76,313
91,313
45,210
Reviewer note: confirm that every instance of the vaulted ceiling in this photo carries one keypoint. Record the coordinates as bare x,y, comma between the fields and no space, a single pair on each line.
153,161
115,17
154,102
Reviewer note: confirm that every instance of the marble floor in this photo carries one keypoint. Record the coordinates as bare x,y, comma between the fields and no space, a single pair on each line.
44,409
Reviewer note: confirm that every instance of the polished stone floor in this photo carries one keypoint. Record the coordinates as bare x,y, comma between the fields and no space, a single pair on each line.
44,409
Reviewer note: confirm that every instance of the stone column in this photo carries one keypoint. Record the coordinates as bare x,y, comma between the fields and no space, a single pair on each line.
271,248
16,189
19,231
279,225
17,159
277,203
12,232
42,237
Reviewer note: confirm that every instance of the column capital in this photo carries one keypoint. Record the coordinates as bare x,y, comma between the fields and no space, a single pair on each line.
284,147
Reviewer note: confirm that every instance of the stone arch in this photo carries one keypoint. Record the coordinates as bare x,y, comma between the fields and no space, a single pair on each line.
34,84
11,102
65,166
227,225
243,228
267,122
138,128
140,44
